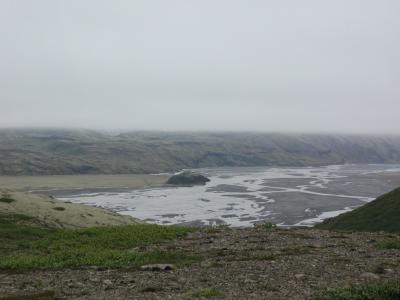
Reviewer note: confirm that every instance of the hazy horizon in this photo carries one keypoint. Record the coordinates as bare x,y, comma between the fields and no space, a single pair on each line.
211,66
116,131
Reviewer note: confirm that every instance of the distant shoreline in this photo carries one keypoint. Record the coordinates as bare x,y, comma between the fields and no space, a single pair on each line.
64,184
50,183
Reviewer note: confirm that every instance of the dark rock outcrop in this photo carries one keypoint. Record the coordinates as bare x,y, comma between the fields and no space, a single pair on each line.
188,178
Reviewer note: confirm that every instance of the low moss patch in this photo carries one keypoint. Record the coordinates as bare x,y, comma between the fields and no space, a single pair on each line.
59,208
46,295
207,292
6,199
12,224
77,258
25,247
390,244
257,257
269,226
300,250
377,291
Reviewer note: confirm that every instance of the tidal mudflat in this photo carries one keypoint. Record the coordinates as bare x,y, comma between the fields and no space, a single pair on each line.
245,196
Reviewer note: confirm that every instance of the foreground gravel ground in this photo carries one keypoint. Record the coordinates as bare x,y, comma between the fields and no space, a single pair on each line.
252,263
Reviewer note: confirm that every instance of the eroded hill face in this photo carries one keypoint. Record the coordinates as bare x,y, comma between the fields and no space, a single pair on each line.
40,152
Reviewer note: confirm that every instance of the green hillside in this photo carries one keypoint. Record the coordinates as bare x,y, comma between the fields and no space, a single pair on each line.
380,214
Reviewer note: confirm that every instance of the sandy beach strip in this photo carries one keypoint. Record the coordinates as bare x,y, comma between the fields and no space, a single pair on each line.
78,182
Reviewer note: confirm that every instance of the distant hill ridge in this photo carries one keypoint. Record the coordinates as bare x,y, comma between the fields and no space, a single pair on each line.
382,214
49,152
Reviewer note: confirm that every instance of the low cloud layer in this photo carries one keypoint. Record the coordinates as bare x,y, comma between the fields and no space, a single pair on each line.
310,66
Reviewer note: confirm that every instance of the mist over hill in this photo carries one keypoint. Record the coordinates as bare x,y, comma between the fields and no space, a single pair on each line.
49,152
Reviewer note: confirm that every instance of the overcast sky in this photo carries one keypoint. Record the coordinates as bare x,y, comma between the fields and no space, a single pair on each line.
283,65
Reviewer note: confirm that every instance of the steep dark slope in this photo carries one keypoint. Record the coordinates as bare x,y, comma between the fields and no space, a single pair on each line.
89,152
380,214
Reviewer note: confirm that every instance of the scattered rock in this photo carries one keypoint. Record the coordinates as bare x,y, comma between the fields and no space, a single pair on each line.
370,276
206,264
388,270
74,285
107,284
249,281
45,295
237,262
158,267
299,276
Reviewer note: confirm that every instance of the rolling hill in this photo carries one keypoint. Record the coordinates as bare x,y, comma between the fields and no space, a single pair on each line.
382,214
50,152
31,209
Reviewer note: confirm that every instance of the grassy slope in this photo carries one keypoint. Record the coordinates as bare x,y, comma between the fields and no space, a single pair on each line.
380,214
53,213
33,152
32,246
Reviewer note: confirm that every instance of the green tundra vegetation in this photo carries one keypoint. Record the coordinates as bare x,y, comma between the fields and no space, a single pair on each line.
382,214
62,152
371,291
390,244
26,244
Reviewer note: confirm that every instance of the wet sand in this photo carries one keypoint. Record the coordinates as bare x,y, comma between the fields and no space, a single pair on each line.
82,183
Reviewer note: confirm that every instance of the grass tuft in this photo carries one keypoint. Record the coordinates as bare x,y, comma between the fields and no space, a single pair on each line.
207,292
376,291
390,244
59,208
6,199
46,295
269,226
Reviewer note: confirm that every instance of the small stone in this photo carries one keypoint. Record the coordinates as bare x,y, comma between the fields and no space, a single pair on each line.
158,267
299,276
182,280
73,285
369,275
175,286
107,284
388,270
206,264
249,281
